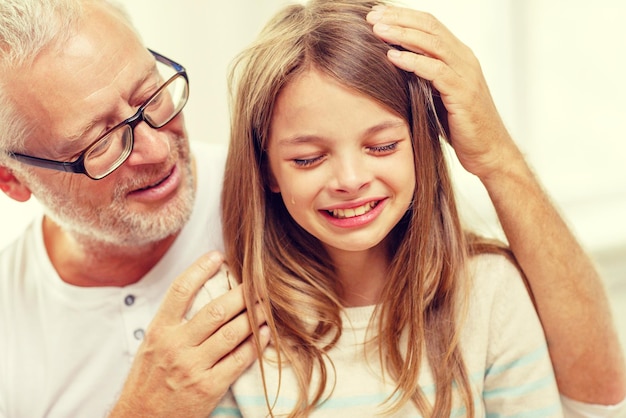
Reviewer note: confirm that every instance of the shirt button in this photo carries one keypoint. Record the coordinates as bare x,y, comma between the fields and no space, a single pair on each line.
129,300
138,334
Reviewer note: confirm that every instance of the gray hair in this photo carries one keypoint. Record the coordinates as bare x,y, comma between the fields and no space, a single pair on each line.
26,28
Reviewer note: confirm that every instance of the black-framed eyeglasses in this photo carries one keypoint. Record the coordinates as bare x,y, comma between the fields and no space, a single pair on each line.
114,147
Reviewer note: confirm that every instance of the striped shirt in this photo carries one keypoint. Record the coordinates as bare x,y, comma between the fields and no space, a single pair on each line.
503,345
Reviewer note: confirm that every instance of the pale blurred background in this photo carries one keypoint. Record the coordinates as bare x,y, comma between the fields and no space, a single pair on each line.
556,71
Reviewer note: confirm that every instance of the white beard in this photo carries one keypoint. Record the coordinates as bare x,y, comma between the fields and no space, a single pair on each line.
116,224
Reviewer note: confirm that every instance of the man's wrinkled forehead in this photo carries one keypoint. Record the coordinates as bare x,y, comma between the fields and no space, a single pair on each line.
83,78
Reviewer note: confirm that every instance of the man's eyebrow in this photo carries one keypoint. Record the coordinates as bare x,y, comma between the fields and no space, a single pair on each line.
72,144
80,133
91,124
150,73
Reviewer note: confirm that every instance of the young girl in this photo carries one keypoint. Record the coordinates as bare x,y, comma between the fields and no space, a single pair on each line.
339,217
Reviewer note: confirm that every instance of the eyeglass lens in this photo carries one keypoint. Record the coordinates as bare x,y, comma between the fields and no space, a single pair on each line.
113,149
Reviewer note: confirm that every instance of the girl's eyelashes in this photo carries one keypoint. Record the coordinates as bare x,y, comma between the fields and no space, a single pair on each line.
306,162
383,149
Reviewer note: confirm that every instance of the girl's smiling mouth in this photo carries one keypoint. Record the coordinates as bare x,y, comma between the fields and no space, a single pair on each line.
353,212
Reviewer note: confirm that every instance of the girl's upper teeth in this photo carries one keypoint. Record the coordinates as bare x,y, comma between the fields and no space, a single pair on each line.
352,212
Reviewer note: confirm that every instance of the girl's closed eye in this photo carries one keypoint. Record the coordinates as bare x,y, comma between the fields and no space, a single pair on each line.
384,149
307,162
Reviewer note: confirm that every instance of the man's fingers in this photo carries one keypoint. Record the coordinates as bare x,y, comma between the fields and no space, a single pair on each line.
421,33
234,363
414,37
183,289
215,314
226,334
400,16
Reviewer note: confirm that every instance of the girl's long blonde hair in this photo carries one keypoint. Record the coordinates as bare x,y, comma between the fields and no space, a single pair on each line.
289,271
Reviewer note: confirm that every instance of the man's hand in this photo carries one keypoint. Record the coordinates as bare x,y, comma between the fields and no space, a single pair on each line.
183,368
477,133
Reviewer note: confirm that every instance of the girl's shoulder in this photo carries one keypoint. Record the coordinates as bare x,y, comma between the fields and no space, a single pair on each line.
494,270
495,280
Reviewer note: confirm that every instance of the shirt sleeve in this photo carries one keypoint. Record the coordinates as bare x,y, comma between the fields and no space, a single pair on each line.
519,380
575,409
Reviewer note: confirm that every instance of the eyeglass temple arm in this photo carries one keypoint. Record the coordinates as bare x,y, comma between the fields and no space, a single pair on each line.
69,167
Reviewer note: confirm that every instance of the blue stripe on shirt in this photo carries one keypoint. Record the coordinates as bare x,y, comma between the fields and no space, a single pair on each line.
529,358
519,390
223,411
378,399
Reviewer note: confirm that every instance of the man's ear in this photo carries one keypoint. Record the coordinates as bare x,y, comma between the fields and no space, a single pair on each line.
12,186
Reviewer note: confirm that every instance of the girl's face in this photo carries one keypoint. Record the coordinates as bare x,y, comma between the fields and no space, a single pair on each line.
342,162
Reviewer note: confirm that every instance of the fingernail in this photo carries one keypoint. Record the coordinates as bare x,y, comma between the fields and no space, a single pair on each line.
381,27
375,16
379,7
216,257
394,53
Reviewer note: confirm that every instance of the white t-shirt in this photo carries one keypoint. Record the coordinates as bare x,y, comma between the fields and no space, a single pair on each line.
65,350
575,409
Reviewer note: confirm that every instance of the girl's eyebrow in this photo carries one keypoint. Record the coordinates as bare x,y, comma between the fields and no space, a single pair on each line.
299,139
389,124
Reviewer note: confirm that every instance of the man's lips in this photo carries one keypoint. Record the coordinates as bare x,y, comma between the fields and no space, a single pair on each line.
158,188
153,184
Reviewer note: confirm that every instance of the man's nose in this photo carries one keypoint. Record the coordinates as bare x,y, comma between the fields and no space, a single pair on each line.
151,145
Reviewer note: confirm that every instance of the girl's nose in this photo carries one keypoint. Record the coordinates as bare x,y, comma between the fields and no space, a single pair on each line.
350,175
